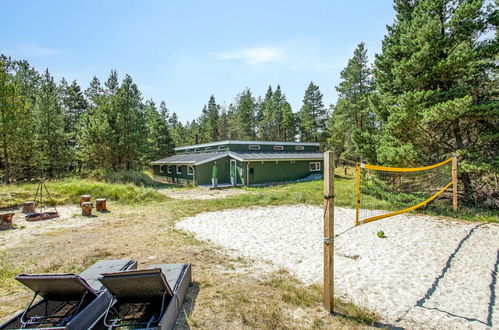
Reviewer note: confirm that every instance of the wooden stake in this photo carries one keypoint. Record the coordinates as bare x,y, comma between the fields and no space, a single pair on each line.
329,231
454,183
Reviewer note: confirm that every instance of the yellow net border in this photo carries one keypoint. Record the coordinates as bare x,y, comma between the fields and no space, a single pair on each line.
394,169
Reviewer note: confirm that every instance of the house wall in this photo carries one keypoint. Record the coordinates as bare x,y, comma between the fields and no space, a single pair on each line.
203,171
272,171
182,178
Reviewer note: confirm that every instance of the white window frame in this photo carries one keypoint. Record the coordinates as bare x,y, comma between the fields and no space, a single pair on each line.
314,166
299,147
278,148
179,169
254,147
190,170
169,169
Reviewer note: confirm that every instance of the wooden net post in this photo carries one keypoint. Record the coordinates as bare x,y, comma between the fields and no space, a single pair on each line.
454,183
329,231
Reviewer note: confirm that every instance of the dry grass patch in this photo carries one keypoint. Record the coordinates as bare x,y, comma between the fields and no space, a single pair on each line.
226,293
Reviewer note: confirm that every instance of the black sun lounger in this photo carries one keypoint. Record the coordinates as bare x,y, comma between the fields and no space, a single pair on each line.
69,301
146,299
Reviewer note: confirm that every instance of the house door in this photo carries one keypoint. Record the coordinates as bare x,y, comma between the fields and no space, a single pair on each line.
233,171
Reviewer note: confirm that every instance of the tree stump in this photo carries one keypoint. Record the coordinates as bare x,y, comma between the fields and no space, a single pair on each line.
28,207
6,220
84,198
100,204
86,208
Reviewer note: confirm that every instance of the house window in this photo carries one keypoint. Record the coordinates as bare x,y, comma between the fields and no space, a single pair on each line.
278,147
221,147
254,147
207,148
179,169
315,166
299,148
169,169
190,170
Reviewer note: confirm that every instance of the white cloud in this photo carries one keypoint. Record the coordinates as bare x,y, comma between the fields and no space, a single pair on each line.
33,50
254,55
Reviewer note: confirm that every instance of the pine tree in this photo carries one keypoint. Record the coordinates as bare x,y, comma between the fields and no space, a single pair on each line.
244,116
209,121
437,82
352,126
178,131
50,123
288,123
313,116
74,105
223,125
14,115
267,115
159,141
278,102
27,151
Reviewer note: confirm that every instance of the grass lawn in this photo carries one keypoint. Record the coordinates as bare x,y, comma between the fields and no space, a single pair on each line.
226,292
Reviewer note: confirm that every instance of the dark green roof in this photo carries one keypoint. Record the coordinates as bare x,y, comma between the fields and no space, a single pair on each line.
194,159
277,155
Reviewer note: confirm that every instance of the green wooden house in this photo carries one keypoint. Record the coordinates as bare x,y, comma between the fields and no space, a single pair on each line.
241,163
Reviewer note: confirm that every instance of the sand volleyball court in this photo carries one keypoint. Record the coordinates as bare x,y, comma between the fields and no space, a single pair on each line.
428,272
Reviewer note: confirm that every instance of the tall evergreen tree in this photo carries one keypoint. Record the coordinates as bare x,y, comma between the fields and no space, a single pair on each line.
14,115
50,124
244,116
437,84
74,105
288,123
159,142
313,116
209,121
352,126
223,125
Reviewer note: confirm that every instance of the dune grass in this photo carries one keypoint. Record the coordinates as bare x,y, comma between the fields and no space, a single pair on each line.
69,191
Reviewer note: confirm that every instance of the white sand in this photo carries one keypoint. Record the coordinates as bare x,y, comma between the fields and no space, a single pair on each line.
451,263
27,231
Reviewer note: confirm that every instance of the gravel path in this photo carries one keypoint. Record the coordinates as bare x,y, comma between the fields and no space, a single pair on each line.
427,273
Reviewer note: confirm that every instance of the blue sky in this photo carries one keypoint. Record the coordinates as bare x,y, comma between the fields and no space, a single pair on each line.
184,51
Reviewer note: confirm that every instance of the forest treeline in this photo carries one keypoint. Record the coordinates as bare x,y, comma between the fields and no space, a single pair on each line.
431,92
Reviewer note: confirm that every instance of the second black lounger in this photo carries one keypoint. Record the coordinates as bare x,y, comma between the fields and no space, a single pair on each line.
146,299
69,301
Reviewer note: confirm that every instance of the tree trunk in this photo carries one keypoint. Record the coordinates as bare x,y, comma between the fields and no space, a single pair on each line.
464,177
6,162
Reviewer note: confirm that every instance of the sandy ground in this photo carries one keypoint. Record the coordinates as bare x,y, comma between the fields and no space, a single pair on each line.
201,193
428,272
24,231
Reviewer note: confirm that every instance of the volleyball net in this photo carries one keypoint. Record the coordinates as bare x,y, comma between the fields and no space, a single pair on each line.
383,191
